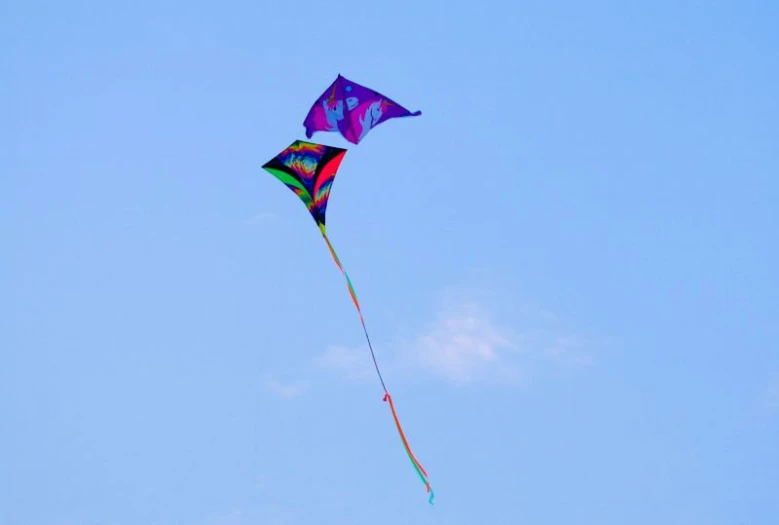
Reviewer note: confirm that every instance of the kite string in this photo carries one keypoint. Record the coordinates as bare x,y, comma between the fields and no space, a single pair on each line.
359,310
387,397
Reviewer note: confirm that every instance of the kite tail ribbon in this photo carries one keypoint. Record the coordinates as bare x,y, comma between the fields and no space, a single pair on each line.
387,397
417,466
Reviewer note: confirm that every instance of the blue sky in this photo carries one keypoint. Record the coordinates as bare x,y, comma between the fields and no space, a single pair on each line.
567,265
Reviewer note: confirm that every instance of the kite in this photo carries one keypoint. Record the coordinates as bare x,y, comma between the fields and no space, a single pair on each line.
308,169
351,109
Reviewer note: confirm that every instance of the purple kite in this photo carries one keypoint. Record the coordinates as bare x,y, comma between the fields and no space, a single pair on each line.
351,109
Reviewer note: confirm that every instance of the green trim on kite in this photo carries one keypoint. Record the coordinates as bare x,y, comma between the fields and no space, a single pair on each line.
289,180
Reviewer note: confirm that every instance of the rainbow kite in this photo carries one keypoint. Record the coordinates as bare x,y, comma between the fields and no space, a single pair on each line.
308,169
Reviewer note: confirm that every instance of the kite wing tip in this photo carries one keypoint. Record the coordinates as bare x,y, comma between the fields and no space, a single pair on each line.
416,113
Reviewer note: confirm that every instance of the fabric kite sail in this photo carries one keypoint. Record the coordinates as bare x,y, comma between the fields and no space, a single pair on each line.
308,169
351,109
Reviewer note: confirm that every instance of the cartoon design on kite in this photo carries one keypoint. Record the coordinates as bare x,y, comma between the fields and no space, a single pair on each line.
351,109
309,169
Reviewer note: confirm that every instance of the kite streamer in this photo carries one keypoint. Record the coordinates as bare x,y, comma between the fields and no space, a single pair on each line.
309,169
387,397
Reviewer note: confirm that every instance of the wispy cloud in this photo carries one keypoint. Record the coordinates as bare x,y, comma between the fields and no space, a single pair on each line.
237,516
233,517
568,349
287,390
772,393
353,363
260,218
465,345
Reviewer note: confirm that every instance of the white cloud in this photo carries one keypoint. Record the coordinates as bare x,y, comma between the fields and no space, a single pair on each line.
772,394
234,517
566,349
773,397
237,516
288,390
354,363
260,218
464,345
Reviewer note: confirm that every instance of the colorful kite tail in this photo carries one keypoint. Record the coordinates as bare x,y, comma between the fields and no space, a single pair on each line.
417,465
387,397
